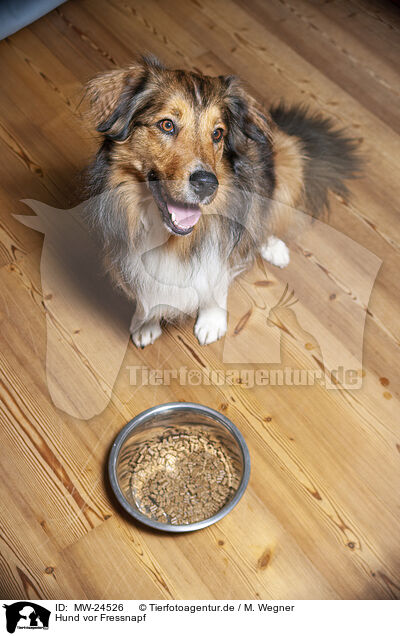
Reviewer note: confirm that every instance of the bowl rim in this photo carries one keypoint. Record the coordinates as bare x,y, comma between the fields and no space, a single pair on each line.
147,414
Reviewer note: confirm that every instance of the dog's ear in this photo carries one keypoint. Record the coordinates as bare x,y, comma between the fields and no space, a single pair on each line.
114,98
245,119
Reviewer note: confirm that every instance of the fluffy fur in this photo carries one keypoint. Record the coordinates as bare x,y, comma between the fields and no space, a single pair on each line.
160,128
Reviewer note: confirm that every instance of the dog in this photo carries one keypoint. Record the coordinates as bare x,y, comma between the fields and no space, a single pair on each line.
192,181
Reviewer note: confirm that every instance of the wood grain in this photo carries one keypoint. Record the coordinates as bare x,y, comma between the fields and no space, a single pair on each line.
320,518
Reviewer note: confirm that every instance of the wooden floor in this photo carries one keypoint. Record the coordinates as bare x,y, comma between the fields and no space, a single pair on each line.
321,516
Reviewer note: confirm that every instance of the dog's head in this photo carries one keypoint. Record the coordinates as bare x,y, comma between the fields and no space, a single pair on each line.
180,131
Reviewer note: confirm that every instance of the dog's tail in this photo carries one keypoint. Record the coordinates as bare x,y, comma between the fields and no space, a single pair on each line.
330,156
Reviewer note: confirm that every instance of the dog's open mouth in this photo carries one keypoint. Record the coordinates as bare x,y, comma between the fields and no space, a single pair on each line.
182,217
179,218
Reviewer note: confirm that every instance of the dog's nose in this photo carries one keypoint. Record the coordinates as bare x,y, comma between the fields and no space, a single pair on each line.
203,183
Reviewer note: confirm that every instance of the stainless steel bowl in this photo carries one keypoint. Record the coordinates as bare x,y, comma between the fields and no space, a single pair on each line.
147,426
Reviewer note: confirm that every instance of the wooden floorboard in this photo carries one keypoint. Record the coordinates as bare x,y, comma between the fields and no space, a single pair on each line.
321,516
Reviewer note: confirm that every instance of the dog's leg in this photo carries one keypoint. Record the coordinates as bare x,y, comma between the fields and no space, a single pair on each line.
275,252
211,323
144,330
146,334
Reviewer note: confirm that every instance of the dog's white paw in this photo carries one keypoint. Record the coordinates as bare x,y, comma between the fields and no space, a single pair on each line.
276,252
211,325
146,334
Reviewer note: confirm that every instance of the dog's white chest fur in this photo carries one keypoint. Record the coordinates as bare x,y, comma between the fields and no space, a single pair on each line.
166,285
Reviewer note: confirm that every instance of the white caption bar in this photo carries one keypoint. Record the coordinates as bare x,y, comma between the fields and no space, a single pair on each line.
193,617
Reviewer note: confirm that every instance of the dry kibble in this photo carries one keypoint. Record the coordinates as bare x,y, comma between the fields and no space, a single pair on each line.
183,477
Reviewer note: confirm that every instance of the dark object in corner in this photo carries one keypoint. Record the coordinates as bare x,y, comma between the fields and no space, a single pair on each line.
16,14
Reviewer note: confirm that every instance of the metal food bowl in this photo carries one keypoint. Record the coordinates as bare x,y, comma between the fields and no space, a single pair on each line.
174,463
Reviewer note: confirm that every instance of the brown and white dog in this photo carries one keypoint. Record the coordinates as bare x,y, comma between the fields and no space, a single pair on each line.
193,181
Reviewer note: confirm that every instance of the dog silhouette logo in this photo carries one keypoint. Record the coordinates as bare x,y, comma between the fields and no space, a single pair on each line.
88,319
26,615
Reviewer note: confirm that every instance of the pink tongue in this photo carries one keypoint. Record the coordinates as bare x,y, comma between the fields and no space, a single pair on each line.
185,216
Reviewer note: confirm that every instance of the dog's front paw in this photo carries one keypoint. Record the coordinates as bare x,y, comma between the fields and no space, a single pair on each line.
276,252
211,325
146,334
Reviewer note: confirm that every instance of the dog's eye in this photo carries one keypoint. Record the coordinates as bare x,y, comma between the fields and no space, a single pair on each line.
217,134
166,125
